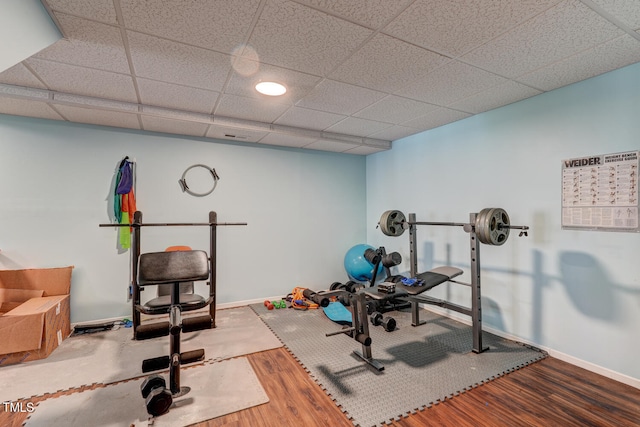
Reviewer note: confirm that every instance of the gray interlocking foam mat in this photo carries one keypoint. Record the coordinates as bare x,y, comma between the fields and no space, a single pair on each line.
423,365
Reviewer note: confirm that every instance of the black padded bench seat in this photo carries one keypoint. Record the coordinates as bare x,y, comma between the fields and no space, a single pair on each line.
159,268
432,278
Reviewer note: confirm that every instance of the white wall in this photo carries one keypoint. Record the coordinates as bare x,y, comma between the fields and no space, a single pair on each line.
576,292
304,209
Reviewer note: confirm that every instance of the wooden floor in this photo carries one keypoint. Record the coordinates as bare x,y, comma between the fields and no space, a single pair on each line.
547,393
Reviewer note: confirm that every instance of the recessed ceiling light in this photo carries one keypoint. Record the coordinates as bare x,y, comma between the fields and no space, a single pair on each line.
271,88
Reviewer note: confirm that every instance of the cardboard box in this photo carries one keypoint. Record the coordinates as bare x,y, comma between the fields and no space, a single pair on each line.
34,313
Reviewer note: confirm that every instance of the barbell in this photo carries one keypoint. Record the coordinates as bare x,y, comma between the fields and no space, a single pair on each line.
492,225
173,224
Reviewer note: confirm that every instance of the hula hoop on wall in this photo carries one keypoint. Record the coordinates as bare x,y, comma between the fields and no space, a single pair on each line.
185,187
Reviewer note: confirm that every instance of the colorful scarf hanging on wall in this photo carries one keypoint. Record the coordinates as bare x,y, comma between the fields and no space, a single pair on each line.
124,203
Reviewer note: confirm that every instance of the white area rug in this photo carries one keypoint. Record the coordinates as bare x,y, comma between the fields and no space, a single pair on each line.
111,356
216,389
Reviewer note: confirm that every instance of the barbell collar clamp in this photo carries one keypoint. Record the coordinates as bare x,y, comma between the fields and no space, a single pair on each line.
513,227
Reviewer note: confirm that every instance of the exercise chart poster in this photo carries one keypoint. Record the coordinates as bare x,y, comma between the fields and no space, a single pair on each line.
601,192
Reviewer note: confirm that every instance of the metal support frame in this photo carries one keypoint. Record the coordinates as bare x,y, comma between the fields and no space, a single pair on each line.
213,242
476,301
135,289
476,304
413,245
361,330
174,340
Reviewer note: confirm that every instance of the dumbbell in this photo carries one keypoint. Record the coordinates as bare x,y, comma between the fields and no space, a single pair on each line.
275,304
157,398
350,286
388,323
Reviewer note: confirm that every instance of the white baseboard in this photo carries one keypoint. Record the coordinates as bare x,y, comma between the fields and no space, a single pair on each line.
246,302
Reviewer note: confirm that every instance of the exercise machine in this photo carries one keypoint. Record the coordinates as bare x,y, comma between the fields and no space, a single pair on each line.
490,226
172,268
359,329
175,268
363,299
160,305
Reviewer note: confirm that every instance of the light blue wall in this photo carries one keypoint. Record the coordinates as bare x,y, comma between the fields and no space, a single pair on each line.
576,292
304,209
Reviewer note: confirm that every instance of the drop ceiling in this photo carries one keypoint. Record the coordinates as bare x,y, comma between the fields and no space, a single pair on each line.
359,73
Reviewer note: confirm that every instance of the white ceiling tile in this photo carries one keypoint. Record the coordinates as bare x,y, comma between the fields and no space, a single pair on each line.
98,10
454,27
330,145
249,109
213,24
297,37
177,97
99,117
439,117
84,81
339,98
626,11
88,44
387,64
309,119
364,150
356,126
370,13
614,54
23,107
20,75
395,109
495,97
287,140
173,62
394,132
561,31
164,125
297,84
453,81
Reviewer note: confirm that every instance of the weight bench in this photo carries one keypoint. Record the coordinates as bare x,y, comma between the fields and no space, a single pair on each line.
431,278
174,268
359,299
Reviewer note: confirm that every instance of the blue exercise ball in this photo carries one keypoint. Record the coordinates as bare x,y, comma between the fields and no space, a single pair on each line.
357,266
